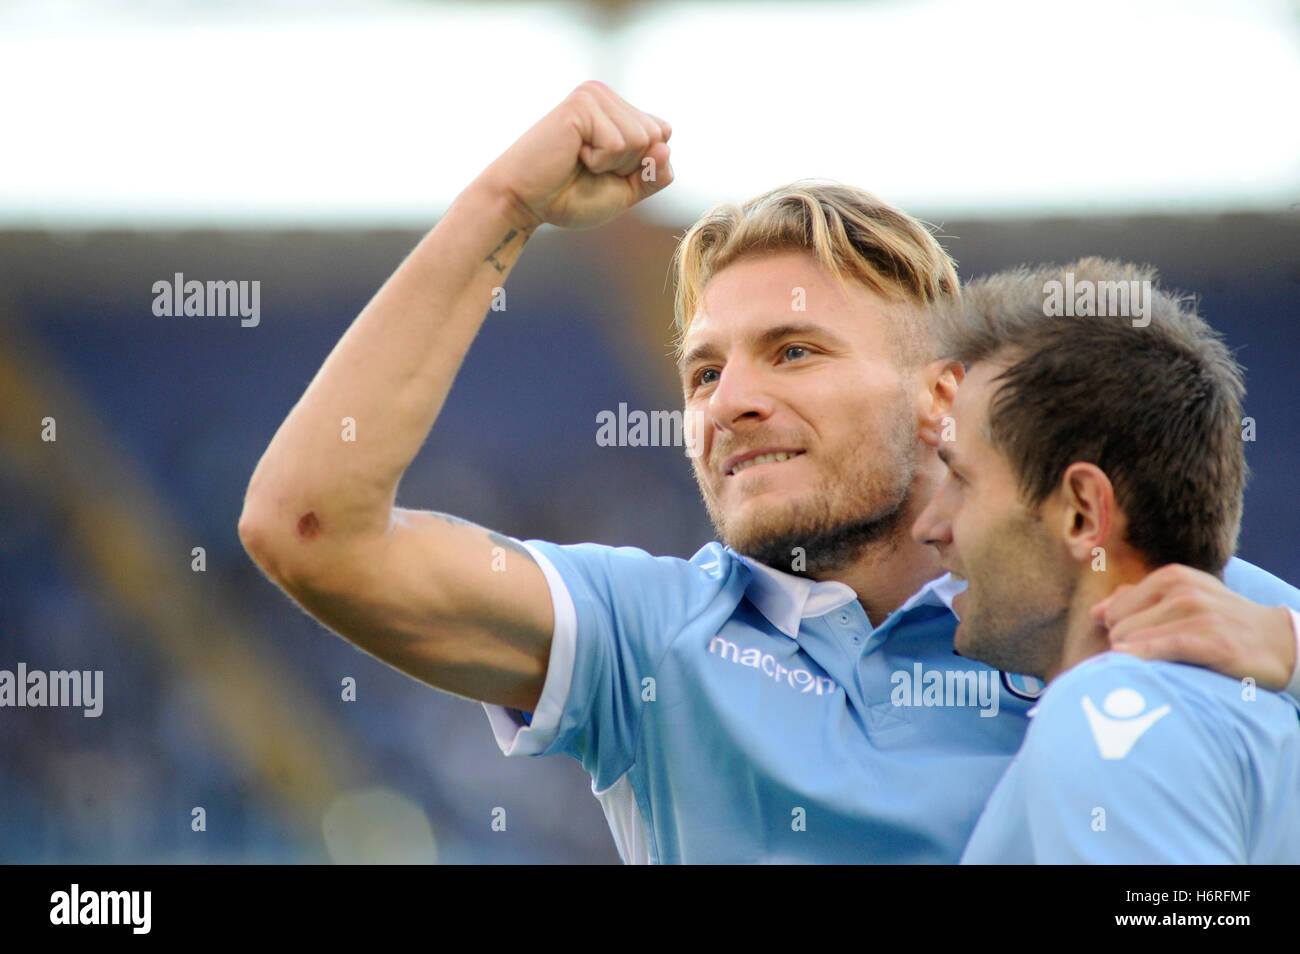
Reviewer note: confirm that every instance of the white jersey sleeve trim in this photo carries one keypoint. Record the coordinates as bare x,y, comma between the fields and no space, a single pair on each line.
625,821
513,735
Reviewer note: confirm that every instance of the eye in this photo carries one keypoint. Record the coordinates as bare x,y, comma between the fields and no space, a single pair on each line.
799,348
704,376
952,474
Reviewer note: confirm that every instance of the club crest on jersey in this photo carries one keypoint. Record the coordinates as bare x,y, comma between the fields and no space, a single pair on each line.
1023,687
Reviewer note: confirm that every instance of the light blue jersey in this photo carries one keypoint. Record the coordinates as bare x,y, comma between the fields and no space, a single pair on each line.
729,712
1134,762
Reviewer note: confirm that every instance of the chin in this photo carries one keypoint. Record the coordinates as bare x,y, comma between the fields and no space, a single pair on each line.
959,641
755,535
750,520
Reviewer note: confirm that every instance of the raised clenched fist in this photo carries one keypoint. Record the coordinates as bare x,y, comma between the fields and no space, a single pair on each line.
586,161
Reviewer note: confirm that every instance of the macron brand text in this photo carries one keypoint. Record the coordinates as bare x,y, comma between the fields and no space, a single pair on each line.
800,679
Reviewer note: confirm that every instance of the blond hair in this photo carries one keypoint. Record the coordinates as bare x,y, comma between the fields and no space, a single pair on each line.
853,235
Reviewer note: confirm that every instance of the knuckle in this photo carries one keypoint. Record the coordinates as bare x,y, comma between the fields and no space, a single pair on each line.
1167,574
584,93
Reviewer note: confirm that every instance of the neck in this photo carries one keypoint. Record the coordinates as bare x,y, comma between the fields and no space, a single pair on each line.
1084,638
890,570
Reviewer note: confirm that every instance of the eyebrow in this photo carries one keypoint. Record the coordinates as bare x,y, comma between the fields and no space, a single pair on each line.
709,351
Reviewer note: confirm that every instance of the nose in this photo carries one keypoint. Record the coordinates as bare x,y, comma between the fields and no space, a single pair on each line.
932,526
740,395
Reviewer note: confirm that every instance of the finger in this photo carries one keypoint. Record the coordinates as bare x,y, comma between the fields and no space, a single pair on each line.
657,175
1166,612
665,127
1174,642
604,146
1097,613
1152,588
655,128
636,137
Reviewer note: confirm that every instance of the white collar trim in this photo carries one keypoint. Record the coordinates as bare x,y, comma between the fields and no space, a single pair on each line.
785,599
945,588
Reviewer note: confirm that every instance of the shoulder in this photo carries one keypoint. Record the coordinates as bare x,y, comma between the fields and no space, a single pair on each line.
1116,707
1259,586
1111,671
1108,707
595,572
711,562
1198,692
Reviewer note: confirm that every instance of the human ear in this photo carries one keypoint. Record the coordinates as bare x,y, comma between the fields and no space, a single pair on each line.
937,384
1088,509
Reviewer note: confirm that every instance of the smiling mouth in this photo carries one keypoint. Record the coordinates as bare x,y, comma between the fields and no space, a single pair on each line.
763,459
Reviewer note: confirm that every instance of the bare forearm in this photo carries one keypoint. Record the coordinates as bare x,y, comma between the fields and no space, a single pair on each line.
335,463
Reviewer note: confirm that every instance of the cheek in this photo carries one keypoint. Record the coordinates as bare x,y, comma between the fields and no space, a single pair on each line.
980,548
965,531
875,416
697,434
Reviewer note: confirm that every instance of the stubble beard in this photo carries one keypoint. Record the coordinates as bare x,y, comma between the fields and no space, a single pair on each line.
1019,624
858,505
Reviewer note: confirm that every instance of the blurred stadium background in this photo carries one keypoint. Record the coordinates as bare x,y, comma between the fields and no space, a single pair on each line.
308,145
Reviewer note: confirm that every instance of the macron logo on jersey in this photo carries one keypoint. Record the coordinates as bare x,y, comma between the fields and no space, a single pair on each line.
766,663
1120,722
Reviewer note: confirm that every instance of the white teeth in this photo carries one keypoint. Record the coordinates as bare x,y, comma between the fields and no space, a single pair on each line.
763,459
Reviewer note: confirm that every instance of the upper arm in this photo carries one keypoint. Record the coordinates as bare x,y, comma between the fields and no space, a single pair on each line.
443,600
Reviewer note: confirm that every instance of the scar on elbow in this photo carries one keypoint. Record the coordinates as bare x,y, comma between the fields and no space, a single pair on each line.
309,526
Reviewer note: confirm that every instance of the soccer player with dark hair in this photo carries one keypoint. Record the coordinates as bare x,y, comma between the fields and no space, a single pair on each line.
1089,452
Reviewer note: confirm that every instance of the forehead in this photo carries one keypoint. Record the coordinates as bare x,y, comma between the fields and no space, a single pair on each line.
762,289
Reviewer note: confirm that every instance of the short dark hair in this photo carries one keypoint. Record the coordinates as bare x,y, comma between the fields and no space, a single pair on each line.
1156,407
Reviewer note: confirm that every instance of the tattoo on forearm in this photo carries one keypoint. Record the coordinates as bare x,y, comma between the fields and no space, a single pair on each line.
499,258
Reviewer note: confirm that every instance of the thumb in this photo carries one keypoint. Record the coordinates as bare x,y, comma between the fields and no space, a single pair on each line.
1102,607
1098,612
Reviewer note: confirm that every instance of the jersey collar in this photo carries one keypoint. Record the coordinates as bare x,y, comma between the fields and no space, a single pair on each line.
938,592
784,599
